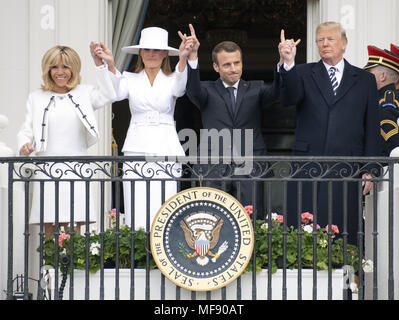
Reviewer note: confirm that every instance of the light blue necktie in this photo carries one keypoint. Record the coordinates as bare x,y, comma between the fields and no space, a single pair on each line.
333,79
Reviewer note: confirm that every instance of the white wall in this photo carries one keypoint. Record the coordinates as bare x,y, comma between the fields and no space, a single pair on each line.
31,27
28,29
367,22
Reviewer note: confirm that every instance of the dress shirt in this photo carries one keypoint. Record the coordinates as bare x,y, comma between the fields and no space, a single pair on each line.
339,70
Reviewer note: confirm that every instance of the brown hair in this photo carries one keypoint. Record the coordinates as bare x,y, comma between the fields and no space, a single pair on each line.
165,66
69,57
228,46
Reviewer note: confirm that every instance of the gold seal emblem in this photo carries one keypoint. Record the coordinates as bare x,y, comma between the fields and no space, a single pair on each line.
202,239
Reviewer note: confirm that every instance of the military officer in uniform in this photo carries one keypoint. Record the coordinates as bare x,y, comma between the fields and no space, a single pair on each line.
395,50
385,67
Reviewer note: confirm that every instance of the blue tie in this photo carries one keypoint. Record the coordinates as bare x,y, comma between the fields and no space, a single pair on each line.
333,79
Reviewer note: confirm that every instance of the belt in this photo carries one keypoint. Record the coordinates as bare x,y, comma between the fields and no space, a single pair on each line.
152,117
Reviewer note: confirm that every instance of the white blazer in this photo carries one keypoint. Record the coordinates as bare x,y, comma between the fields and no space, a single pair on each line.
152,128
84,98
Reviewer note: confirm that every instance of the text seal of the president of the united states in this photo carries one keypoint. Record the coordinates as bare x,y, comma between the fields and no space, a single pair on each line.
202,239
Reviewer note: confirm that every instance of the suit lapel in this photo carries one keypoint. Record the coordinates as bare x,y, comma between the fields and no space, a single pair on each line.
225,95
320,76
349,78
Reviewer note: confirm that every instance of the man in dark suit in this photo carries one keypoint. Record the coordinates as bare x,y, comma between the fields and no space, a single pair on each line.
231,116
337,115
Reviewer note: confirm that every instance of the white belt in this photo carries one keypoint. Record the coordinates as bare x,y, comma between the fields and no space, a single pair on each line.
152,117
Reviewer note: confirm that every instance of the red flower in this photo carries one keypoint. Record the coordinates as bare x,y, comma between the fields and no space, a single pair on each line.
249,209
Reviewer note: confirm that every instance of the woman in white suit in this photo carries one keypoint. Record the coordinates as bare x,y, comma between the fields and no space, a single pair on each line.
152,91
60,121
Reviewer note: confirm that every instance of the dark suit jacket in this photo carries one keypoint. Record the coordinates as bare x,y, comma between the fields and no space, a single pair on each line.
327,125
343,125
214,102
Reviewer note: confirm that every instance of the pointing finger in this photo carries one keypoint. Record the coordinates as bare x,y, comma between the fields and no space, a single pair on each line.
282,35
181,35
297,42
192,29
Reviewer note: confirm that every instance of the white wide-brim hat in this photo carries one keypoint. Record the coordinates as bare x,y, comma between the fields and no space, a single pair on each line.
152,38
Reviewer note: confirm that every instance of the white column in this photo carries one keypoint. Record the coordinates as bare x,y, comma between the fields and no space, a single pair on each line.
30,29
367,22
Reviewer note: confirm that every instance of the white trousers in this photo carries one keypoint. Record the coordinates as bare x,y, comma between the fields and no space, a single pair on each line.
162,173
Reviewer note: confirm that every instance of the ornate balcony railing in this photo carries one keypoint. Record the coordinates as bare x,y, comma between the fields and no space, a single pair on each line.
100,181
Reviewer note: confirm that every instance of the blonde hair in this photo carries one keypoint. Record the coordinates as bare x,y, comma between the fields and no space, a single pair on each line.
68,57
333,25
165,66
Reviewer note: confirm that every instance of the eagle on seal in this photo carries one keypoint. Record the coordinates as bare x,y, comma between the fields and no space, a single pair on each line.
201,232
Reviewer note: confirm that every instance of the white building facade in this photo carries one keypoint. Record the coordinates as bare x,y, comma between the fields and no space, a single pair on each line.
30,27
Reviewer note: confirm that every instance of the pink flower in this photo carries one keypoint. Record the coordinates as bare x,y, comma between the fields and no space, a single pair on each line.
277,217
307,217
317,226
249,209
334,229
112,214
62,236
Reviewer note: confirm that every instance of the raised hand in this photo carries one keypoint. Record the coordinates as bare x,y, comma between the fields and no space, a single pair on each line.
185,46
100,53
191,43
287,49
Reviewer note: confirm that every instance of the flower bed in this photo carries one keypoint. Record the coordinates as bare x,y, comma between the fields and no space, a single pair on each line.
271,229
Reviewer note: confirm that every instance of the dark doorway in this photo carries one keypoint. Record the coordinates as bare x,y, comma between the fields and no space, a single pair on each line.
255,26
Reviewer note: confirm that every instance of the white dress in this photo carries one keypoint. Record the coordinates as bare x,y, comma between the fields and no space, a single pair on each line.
64,125
151,132
62,122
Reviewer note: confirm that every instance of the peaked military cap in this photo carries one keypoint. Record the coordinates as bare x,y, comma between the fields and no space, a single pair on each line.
383,58
394,49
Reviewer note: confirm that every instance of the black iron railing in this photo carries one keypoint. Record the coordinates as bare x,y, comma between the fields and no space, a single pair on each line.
269,178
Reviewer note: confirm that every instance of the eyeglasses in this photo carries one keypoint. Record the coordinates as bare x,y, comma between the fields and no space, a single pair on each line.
329,40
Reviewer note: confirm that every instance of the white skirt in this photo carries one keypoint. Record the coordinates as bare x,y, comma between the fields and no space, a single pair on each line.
139,171
63,171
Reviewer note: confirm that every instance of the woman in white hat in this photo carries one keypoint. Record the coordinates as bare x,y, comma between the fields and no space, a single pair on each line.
152,91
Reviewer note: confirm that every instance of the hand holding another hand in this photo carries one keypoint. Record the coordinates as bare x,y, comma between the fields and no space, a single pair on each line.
189,45
100,53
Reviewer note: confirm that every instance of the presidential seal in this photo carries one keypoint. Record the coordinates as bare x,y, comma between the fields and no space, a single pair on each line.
202,239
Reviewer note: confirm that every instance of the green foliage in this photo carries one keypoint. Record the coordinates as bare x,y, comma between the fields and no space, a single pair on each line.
310,238
90,246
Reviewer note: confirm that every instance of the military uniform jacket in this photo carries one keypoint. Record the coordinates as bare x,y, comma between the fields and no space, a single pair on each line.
389,110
